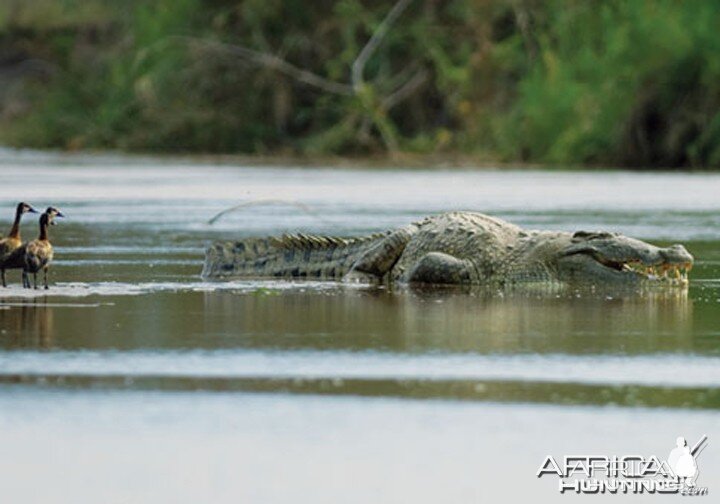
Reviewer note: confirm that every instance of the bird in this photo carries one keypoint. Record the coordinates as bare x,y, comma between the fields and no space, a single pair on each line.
37,254
13,242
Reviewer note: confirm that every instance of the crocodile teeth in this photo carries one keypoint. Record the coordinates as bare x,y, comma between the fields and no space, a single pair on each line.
660,272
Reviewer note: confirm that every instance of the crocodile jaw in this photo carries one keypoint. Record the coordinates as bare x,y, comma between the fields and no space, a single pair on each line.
626,260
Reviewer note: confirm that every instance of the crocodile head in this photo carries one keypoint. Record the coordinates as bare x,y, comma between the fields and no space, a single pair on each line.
598,257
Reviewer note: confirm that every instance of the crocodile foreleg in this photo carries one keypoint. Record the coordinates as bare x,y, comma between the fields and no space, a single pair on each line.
375,264
440,268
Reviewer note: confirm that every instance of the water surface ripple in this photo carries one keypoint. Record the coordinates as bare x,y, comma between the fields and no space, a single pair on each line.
132,368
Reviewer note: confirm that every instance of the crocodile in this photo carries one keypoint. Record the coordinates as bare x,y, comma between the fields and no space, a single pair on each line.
455,248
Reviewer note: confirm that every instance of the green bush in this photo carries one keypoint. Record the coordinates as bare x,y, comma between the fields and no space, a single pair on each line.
559,82
633,83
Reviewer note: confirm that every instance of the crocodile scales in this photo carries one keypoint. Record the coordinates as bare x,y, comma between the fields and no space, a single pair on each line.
454,248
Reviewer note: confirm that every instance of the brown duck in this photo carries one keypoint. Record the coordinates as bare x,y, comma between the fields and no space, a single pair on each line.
38,254
12,242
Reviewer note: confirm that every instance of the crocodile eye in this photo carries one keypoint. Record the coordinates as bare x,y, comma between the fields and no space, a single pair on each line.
592,235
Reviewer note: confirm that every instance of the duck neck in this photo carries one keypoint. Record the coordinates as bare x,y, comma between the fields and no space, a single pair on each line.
43,229
15,229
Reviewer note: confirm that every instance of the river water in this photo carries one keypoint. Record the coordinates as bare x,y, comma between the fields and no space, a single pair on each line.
133,380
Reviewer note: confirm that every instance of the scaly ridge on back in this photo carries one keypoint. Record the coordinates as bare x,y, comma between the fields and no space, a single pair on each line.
287,256
304,241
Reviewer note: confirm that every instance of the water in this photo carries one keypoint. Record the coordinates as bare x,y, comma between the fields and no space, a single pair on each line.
133,369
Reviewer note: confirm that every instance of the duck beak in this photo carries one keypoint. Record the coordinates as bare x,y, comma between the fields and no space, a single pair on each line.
32,210
59,214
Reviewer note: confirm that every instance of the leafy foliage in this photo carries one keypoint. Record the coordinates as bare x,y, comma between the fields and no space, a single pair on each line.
561,82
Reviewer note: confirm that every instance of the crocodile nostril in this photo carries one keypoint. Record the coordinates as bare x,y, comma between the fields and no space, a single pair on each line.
676,253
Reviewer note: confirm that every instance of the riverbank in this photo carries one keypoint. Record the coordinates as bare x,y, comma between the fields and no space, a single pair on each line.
377,161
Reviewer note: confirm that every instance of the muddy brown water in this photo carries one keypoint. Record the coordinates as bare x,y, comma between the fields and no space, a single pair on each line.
133,369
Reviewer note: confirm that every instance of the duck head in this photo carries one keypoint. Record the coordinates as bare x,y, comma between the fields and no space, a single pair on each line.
24,208
53,212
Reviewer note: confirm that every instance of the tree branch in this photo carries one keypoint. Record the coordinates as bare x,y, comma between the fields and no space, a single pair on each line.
522,19
407,89
399,78
276,63
359,64
374,108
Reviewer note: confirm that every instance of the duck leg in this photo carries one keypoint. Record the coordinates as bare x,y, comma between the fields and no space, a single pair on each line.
3,278
45,277
25,280
35,280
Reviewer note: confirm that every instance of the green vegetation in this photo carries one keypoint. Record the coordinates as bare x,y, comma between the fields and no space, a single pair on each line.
633,83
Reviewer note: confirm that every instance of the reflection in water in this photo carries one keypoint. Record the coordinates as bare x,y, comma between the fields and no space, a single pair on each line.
29,323
128,278
417,321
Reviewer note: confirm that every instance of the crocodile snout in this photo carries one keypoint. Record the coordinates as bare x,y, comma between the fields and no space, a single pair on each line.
677,254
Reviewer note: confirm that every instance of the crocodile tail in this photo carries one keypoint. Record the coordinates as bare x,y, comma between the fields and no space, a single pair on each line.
287,256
